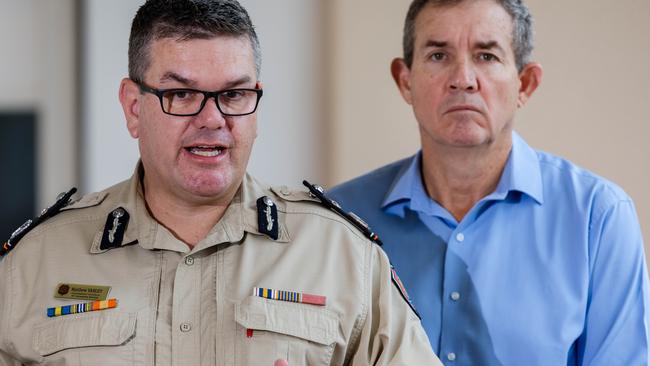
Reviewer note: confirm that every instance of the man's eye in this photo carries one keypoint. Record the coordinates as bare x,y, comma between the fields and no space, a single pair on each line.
181,94
233,94
487,57
438,56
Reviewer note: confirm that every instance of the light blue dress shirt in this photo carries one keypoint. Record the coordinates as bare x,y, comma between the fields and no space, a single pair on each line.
549,269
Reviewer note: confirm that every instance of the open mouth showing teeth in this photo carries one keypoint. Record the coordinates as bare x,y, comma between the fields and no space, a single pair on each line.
207,151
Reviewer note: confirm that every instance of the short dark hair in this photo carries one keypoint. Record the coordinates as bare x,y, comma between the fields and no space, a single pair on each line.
184,20
522,30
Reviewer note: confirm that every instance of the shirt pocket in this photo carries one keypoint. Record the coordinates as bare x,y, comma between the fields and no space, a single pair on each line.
102,338
268,330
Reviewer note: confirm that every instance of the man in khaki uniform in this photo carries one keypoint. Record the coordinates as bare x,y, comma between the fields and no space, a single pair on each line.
207,266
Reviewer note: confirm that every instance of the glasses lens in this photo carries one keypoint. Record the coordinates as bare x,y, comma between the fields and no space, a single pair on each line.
237,101
182,101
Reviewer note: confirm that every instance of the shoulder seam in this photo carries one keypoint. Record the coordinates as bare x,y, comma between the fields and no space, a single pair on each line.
599,215
37,231
328,215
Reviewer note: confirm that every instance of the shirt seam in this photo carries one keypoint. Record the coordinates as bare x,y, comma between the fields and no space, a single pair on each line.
336,219
363,316
9,305
38,230
597,218
578,171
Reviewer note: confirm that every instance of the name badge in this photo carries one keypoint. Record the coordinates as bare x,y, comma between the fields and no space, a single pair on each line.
81,292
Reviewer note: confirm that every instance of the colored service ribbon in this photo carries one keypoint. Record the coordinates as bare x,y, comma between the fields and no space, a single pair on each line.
290,296
82,308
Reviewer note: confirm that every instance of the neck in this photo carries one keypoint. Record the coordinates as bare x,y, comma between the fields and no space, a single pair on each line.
189,221
457,178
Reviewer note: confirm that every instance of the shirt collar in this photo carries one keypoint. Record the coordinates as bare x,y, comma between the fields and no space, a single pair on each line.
143,229
241,216
521,173
407,188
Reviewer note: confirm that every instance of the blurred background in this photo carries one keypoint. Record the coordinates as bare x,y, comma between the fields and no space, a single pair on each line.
330,110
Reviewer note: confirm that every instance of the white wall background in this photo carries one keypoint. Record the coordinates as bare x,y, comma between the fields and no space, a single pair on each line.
109,153
37,72
288,148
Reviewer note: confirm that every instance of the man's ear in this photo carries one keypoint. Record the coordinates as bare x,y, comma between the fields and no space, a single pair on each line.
401,74
530,78
130,100
258,85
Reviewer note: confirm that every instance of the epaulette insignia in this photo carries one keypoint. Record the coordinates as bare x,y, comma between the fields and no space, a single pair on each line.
267,217
116,223
61,201
318,192
402,290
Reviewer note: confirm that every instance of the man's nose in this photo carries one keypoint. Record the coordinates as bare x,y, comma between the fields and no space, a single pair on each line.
463,77
210,116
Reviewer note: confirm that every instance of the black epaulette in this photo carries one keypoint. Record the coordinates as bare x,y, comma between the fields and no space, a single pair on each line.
319,192
61,201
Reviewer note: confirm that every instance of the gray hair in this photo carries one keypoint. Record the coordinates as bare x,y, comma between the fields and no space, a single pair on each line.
522,30
185,20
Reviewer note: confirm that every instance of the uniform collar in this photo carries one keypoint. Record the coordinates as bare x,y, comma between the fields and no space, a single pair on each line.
241,215
239,218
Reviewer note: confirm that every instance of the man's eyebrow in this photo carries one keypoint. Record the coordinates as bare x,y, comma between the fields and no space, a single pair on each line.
172,76
489,45
434,43
238,82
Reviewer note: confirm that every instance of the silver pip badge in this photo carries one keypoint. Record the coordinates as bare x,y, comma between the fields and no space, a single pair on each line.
116,223
267,217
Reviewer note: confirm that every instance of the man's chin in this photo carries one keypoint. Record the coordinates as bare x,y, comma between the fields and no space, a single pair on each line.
467,139
210,187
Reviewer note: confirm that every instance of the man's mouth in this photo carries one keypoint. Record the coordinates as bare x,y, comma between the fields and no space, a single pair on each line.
206,151
464,108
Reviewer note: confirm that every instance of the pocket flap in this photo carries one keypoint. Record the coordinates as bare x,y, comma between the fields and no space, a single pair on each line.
88,330
298,320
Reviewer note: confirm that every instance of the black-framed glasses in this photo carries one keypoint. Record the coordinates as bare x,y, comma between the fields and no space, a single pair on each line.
190,102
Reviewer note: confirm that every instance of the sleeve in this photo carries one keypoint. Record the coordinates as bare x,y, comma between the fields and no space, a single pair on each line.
391,333
5,358
616,326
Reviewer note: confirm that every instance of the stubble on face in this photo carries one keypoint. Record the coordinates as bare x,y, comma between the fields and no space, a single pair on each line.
462,100
201,159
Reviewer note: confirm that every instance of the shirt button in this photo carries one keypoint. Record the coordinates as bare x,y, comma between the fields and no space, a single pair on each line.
460,237
451,356
186,327
455,296
189,261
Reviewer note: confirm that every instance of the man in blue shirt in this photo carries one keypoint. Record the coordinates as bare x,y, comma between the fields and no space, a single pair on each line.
512,256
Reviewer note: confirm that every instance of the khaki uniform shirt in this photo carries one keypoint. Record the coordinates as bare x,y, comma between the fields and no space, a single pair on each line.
178,306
